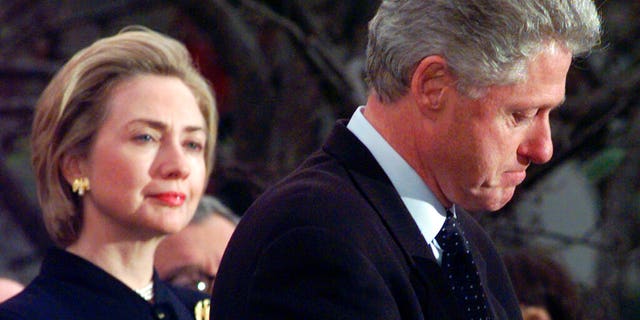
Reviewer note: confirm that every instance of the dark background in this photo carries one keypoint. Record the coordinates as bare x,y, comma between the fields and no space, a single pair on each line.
284,71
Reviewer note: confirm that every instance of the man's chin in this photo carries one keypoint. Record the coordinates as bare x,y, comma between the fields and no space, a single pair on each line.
492,201
502,201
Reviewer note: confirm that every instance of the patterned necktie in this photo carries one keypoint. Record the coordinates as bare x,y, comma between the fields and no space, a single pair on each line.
460,270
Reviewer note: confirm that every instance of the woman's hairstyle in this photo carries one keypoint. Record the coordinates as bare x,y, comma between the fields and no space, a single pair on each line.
72,109
485,42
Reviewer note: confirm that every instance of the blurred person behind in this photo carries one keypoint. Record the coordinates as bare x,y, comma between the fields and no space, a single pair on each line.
460,94
9,288
544,288
191,257
122,145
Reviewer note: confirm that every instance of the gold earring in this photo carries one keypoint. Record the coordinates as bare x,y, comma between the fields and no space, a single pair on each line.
202,309
80,185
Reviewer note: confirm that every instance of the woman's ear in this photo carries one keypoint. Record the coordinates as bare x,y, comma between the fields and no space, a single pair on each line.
430,79
71,167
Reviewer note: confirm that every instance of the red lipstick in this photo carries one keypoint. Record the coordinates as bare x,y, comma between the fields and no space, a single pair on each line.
173,199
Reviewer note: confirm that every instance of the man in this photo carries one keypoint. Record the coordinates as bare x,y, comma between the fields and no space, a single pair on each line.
460,96
191,257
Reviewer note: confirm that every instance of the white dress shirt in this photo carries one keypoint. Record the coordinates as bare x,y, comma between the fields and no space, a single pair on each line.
424,207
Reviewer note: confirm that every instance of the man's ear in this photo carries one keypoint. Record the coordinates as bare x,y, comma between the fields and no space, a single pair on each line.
430,78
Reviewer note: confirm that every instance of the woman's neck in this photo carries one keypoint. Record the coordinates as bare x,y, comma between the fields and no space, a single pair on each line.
128,261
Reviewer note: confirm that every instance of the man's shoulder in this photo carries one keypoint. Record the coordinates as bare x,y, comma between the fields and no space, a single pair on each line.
317,184
320,193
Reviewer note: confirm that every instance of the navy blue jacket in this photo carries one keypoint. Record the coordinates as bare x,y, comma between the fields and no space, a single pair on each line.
334,240
69,287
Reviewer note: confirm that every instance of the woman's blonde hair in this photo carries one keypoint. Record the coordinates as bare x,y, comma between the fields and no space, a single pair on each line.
72,109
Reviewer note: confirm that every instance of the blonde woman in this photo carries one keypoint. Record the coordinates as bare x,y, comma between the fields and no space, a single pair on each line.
122,147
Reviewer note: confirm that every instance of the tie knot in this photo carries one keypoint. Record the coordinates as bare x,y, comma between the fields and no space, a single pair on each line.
451,238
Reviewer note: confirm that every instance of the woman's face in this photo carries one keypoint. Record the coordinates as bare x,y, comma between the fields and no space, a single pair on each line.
147,163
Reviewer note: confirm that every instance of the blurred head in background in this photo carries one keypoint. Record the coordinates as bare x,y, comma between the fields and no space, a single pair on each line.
191,257
544,288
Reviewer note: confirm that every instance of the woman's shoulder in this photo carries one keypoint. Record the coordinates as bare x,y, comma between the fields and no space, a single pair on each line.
34,302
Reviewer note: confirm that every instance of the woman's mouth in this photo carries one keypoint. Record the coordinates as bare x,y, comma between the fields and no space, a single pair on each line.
173,199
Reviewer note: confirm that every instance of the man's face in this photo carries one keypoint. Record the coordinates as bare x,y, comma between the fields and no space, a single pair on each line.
483,147
191,257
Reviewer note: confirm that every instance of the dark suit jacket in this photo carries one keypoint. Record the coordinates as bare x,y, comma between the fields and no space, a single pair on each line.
69,287
334,240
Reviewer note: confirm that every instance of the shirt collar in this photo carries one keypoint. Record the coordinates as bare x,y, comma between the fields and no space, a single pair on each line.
422,204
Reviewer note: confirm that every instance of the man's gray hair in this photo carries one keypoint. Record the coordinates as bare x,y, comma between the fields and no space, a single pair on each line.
210,205
485,42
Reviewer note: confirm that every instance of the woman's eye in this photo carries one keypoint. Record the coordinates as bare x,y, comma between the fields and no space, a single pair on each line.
144,138
195,146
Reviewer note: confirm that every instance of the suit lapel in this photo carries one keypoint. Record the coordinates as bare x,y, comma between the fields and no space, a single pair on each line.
376,187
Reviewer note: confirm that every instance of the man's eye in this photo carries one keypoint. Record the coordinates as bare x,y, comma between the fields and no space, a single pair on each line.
192,279
520,117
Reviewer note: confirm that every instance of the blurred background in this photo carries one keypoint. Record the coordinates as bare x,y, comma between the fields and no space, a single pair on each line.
285,70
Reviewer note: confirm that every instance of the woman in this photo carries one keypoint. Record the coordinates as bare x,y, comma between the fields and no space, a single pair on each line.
122,143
